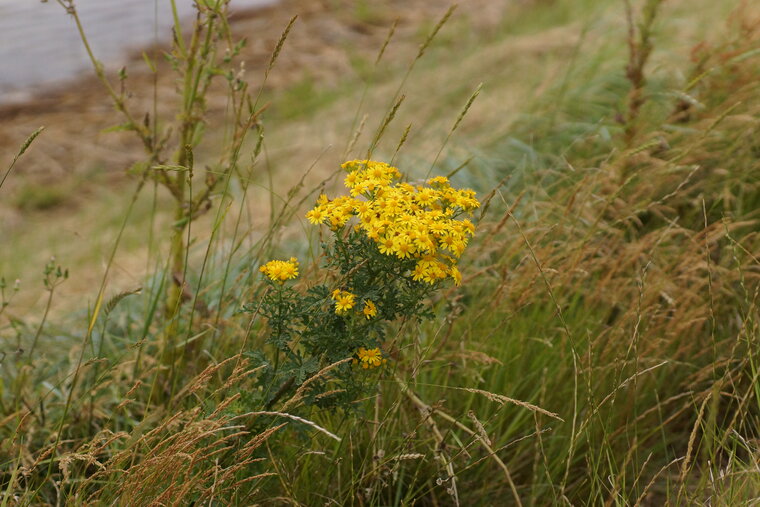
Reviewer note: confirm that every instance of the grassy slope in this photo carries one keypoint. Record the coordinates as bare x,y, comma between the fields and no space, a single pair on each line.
569,310
533,43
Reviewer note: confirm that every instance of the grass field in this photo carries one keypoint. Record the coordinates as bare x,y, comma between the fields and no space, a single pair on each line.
602,347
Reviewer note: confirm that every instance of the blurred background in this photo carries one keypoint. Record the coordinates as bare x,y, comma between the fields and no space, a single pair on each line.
68,190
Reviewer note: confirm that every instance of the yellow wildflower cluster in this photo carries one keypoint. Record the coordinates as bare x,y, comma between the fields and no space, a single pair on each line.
344,301
407,221
371,358
279,271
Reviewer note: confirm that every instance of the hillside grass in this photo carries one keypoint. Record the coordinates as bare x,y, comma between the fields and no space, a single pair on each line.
602,349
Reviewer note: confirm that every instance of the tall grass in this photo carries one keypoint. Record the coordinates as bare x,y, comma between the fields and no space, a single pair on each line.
602,349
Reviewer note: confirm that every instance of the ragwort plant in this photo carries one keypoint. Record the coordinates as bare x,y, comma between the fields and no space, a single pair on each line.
392,245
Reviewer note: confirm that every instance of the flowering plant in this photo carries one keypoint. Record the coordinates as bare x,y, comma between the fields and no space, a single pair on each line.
392,244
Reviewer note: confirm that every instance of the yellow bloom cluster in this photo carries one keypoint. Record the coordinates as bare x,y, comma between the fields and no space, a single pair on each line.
407,221
344,301
371,358
279,271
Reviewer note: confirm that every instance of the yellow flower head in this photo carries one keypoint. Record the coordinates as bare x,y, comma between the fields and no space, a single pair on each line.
408,222
279,271
317,215
344,301
371,358
370,310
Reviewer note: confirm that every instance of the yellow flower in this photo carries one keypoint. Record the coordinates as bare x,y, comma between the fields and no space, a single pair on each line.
402,247
344,301
353,165
469,227
419,272
373,233
429,269
361,207
386,245
316,216
426,196
438,228
350,180
438,180
448,241
279,271
371,358
456,275
424,243
370,310
367,219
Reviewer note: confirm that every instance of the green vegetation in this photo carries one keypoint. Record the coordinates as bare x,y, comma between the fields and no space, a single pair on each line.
604,344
